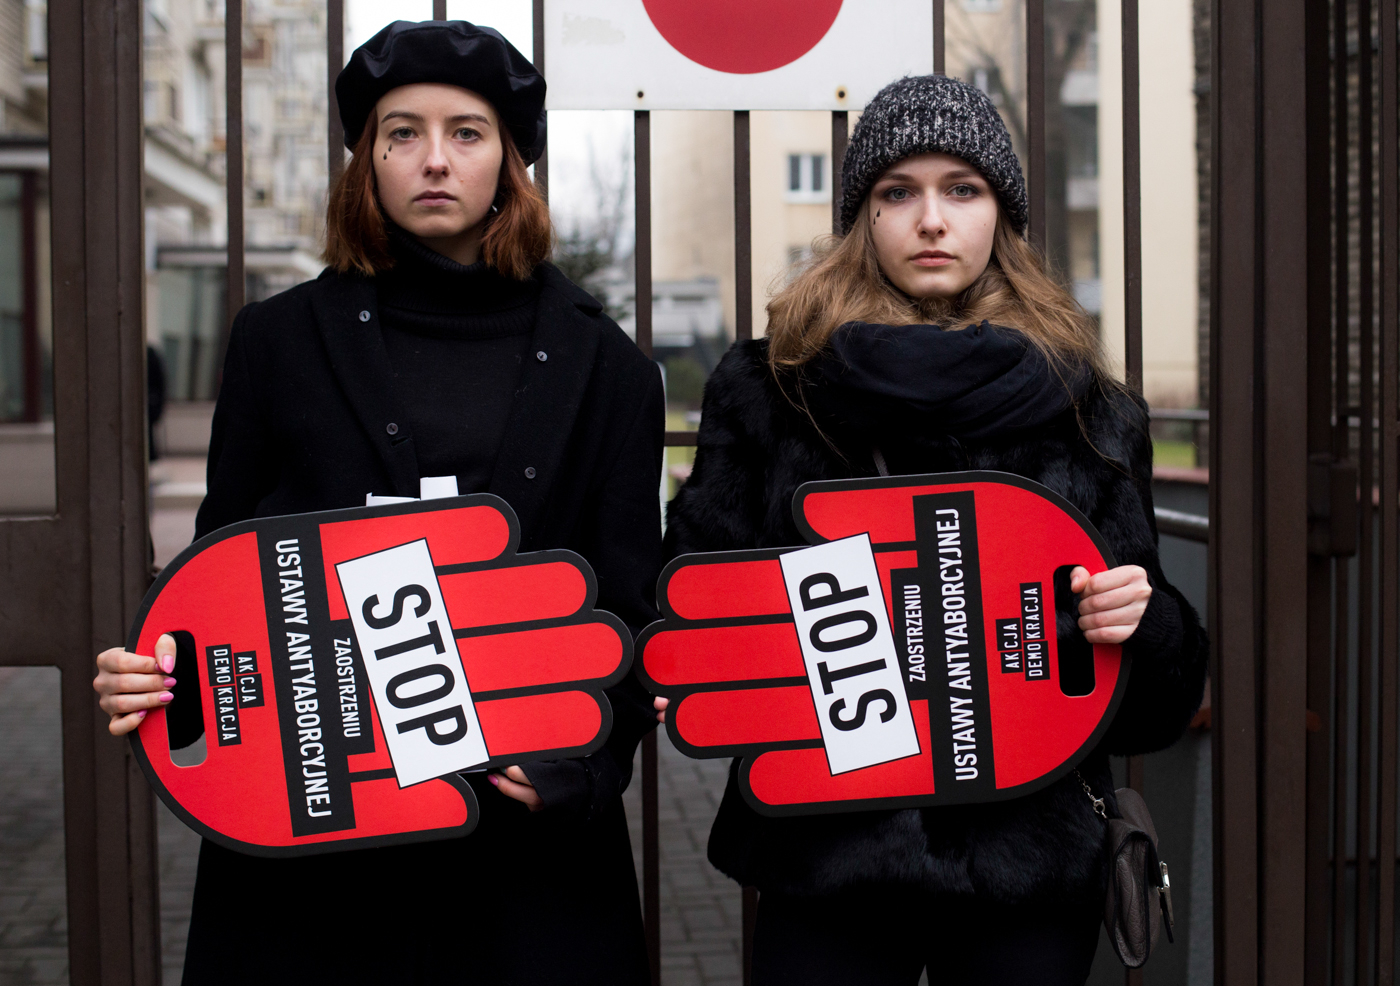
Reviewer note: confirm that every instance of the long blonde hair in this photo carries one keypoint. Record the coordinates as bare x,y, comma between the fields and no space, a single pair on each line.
843,283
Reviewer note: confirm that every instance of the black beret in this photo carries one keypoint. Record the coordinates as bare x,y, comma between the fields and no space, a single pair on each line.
452,52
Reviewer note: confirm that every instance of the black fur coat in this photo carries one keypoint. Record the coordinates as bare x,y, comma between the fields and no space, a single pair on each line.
755,448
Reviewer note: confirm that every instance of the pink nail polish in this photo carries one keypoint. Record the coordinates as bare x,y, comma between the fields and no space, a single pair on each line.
165,696
169,682
141,714
167,663
493,779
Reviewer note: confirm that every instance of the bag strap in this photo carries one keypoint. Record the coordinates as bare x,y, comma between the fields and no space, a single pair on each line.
1098,803
879,458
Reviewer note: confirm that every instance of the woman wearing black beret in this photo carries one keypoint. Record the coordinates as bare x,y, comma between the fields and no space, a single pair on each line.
439,343
929,338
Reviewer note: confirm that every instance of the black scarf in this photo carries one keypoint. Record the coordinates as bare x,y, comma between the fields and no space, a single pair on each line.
975,384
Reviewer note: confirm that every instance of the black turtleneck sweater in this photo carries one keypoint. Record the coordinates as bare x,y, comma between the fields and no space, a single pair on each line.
456,338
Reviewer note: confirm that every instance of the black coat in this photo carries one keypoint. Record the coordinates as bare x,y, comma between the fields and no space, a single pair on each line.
307,420
755,448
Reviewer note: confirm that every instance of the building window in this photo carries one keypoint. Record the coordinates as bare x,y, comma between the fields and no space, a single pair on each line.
36,30
988,79
807,178
26,359
982,6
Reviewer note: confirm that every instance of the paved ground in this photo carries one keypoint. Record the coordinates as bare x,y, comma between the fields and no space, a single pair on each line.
33,915
701,926
179,853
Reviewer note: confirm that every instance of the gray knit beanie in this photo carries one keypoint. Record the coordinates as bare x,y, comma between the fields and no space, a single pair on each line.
926,113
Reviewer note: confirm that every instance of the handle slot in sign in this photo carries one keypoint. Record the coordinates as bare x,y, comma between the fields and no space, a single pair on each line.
1076,654
184,713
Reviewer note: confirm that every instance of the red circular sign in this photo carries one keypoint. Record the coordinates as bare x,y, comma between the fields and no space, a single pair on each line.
743,36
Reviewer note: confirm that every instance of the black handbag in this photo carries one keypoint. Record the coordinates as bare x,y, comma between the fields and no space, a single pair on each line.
1138,904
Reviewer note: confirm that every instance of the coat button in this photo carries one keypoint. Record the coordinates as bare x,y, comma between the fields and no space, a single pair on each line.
364,316
392,428
542,356
529,472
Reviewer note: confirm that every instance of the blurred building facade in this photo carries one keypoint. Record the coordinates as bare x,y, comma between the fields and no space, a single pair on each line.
284,107
26,332
185,213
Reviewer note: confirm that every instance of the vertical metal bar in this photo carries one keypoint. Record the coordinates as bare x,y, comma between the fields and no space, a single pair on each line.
641,162
233,154
1341,210
743,223
1234,537
335,61
1389,279
750,920
1135,772
1318,244
1035,119
537,21
840,129
651,868
651,858
641,179
1365,583
939,37
1280,329
93,551
743,329
1132,196
439,10
119,499
29,326
82,750
1341,731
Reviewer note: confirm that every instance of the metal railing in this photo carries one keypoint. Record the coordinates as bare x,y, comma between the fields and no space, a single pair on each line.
1192,527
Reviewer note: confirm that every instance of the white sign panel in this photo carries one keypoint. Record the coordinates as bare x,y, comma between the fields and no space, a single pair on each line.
852,668
415,673
731,54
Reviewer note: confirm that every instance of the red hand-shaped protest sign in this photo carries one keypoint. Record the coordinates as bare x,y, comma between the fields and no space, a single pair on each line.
911,657
351,662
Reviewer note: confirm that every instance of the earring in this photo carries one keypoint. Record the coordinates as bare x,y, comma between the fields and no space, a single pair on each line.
495,208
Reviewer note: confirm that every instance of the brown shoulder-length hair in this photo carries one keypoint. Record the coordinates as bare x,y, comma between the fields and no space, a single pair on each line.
518,237
842,283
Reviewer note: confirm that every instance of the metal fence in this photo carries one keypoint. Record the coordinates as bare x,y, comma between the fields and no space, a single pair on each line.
1303,500
1351,578
1304,370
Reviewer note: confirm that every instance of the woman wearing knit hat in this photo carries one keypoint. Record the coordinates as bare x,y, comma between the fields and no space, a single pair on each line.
929,338
439,343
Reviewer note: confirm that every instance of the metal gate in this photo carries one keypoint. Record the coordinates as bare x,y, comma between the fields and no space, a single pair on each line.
1305,265
1303,499
70,582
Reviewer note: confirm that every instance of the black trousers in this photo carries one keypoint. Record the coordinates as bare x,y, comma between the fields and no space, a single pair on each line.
888,938
526,899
